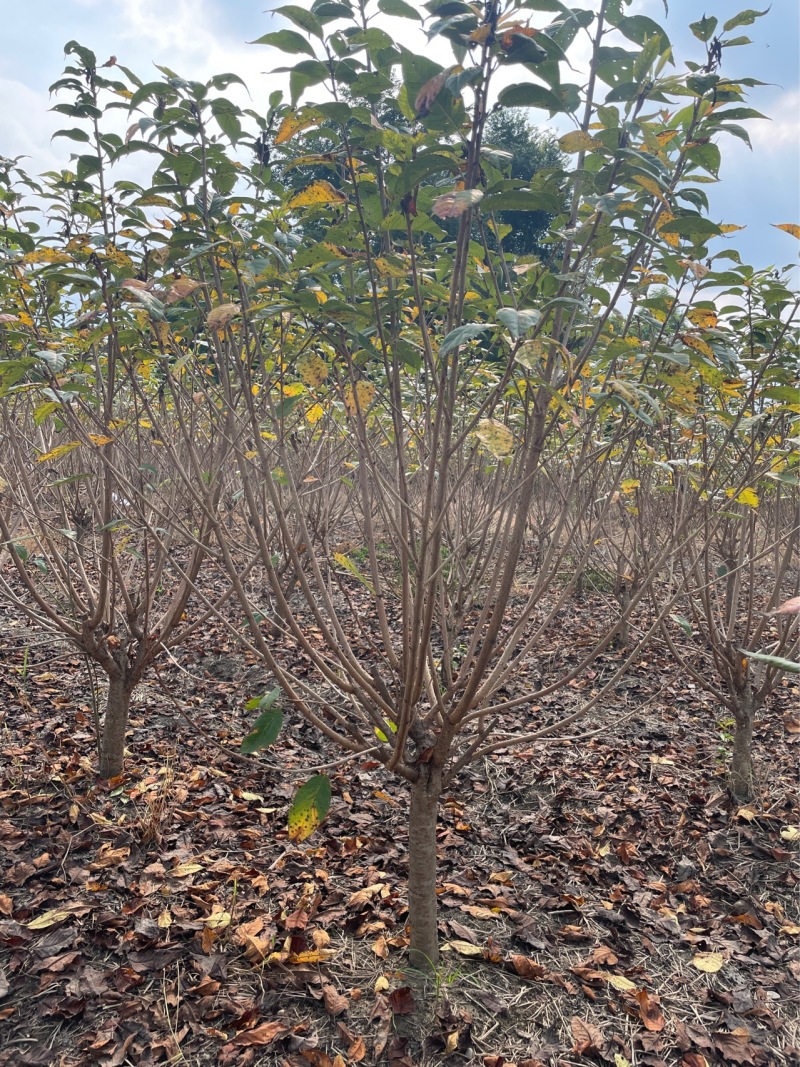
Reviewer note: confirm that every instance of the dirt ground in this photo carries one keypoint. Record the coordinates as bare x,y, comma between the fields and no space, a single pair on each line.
602,898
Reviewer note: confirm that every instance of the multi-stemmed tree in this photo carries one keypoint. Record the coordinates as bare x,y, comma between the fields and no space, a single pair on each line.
431,394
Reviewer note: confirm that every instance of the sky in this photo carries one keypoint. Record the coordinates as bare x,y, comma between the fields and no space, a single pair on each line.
199,38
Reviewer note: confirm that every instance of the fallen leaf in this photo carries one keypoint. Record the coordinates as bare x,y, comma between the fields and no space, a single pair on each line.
588,1038
620,983
710,962
650,1011
48,918
401,1001
335,1003
261,1035
463,948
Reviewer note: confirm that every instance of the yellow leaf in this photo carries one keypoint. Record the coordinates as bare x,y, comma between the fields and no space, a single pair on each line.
672,239
629,485
790,928
48,918
463,948
703,318
317,194
165,919
57,452
666,136
496,437
314,413
787,227
293,123
729,227
652,186
293,389
46,255
790,833
710,962
100,439
620,1061
390,270
218,920
184,869
312,368
255,389
220,316
381,984
697,344
360,399
312,955
749,497
621,983
578,141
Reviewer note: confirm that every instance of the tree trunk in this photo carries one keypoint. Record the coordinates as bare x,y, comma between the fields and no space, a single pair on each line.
741,780
422,903
115,723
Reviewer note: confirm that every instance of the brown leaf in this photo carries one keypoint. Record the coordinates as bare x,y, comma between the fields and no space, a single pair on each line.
789,607
335,1003
603,954
261,1035
401,1001
694,1059
735,1046
586,1035
526,968
317,1057
452,205
220,316
650,1011
426,97
357,1050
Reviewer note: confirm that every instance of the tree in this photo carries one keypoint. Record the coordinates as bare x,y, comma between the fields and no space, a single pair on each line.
105,541
530,151
457,385
338,355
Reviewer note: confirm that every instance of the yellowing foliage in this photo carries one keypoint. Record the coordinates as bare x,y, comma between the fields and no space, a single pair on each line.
318,194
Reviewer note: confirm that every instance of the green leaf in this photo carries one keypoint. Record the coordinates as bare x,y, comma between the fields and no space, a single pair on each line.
227,116
528,95
744,18
704,29
460,335
287,41
265,731
774,661
73,135
684,623
399,8
309,807
518,323
302,18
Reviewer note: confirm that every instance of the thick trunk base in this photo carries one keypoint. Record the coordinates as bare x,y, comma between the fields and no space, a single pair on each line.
422,903
741,776
115,724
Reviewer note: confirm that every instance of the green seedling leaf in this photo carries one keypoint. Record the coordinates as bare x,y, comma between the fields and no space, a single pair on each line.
309,808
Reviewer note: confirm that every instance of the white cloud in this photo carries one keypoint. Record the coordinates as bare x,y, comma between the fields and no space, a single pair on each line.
26,126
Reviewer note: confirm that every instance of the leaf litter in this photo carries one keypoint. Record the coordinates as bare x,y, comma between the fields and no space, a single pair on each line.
601,901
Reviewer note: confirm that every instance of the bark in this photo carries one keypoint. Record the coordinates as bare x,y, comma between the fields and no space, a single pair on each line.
422,903
741,778
115,723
